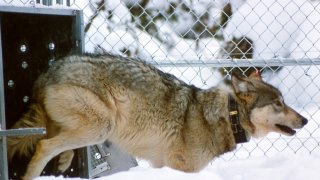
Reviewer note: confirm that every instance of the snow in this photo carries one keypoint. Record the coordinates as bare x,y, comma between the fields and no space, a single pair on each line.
307,43
278,167
158,4
274,26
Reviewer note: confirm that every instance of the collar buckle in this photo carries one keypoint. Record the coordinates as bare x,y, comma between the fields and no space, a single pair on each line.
233,113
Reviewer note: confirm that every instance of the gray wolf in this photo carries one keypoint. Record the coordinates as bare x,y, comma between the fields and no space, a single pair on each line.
86,100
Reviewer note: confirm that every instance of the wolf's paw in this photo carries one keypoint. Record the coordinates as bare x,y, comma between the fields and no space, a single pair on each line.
65,159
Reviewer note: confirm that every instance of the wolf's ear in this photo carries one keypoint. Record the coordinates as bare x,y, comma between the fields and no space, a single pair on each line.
255,75
240,84
243,89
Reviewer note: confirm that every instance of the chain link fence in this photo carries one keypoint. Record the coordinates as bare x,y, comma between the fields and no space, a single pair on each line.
203,41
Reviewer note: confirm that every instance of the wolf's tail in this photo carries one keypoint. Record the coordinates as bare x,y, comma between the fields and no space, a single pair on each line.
25,145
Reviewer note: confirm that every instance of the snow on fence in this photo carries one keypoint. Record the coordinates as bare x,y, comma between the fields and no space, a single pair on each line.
202,41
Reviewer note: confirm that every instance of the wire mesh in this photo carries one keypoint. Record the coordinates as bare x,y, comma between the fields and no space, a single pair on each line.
203,41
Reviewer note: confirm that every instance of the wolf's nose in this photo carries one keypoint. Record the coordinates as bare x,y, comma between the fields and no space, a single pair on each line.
304,121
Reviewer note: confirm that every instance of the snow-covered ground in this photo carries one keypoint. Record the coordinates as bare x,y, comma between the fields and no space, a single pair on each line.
279,167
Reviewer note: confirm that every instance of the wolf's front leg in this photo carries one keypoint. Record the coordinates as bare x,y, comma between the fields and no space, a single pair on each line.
39,160
178,157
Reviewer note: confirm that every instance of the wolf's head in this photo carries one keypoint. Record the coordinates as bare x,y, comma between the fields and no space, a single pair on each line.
264,103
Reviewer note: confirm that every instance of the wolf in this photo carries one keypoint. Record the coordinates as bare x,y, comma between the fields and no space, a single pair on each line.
86,100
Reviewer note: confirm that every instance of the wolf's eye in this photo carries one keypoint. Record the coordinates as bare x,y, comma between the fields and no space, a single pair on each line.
277,106
278,103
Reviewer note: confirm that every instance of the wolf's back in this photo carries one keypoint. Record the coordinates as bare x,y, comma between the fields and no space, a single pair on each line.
24,145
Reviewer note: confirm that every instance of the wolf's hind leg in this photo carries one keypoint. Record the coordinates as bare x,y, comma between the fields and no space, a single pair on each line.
83,120
48,148
65,159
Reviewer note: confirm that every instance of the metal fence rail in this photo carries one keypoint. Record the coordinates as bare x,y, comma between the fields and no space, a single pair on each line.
199,41
238,62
